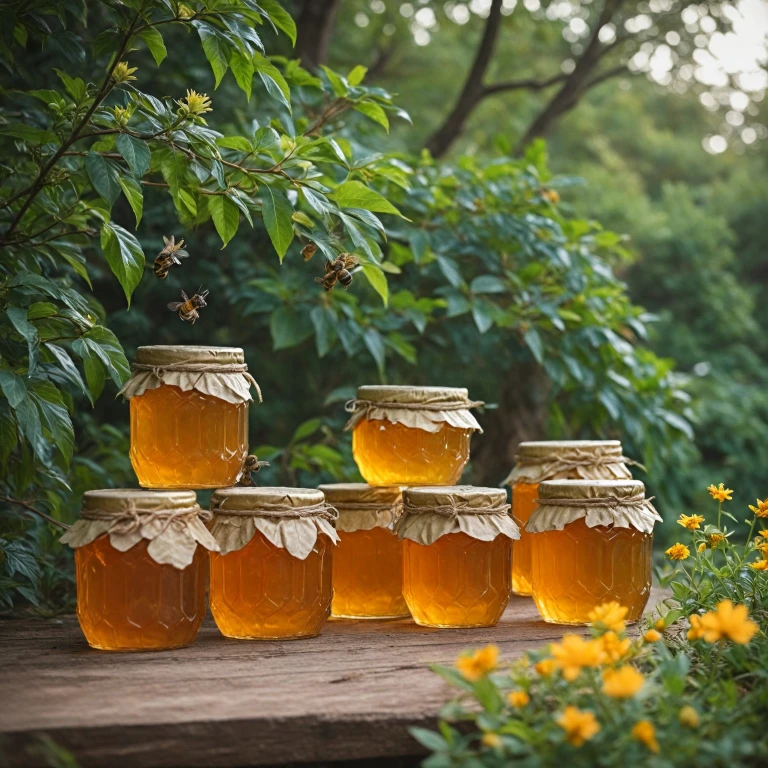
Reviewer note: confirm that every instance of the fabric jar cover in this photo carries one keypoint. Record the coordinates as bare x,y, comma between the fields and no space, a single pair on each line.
569,459
430,512
617,503
426,408
220,372
289,518
171,521
362,507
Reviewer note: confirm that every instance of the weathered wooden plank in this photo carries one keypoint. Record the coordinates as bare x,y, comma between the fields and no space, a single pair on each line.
349,694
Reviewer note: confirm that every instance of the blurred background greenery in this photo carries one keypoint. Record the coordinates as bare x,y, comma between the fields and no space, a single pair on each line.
503,281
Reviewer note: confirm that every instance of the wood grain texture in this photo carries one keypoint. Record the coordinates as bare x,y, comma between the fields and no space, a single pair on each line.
351,693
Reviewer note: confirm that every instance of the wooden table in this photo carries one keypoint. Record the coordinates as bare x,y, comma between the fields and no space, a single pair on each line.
350,694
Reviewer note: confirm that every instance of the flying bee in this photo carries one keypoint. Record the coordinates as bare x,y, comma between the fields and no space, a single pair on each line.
308,251
338,270
187,309
171,254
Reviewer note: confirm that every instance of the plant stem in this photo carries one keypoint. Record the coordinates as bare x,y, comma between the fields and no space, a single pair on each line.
30,508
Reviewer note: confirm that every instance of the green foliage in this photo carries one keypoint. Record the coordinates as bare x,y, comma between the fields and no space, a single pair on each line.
688,698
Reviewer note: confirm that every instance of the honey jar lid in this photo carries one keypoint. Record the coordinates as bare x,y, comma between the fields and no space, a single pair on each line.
537,461
430,512
417,407
362,507
161,354
289,518
617,503
170,521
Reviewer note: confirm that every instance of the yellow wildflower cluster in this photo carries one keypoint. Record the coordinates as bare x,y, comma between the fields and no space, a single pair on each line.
690,522
579,726
715,539
726,622
518,699
615,648
122,73
678,552
761,510
478,664
622,683
609,616
575,653
720,493
644,732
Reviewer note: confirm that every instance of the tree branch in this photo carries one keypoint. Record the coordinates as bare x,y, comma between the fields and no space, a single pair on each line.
30,508
526,84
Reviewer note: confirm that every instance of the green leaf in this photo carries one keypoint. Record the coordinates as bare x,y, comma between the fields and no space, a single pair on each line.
337,81
74,85
226,217
324,321
482,313
238,143
288,327
215,49
354,194
174,170
277,213
374,111
488,284
93,367
20,321
306,429
135,152
378,280
434,742
242,69
357,75
534,343
54,416
41,309
273,80
67,370
124,256
280,18
154,41
133,194
375,344
27,414
104,177
104,344
678,423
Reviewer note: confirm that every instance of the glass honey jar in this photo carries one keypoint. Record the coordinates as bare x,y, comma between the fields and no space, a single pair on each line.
406,435
457,551
272,577
141,568
554,460
189,416
368,561
591,543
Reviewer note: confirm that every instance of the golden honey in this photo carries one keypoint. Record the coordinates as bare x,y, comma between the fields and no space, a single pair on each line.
263,592
187,439
523,504
578,568
368,576
457,581
128,602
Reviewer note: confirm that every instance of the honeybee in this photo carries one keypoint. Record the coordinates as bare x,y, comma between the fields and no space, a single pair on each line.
171,254
251,465
308,251
187,309
338,270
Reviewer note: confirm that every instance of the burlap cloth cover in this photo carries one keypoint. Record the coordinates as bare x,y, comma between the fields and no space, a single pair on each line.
618,503
426,408
362,507
171,521
569,459
216,371
430,512
290,518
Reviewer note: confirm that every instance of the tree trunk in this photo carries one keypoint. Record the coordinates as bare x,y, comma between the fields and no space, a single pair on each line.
313,31
440,141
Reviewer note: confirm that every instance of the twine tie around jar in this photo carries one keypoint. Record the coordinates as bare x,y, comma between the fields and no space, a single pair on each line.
433,404
610,502
581,459
241,368
325,511
133,519
452,510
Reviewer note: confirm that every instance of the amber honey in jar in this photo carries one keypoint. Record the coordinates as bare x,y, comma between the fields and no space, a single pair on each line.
189,416
591,543
554,460
272,577
141,563
368,560
457,551
407,435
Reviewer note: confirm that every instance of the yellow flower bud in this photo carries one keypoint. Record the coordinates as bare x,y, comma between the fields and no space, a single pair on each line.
689,717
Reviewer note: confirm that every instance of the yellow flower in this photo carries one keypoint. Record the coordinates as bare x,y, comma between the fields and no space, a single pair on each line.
645,733
194,103
545,667
478,664
185,12
622,683
761,510
678,552
652,636
691,522
715,539
721,493
518,699
696,631
615,648
122,115
579,726
702,546
574,652
492,740
552,195
763,533
609,616
689,717
759,565
122,73
660,625
728,622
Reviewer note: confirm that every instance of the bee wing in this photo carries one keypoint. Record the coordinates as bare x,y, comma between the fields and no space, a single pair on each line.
174,258
184,296
167,241
182,254
175,305
350,261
